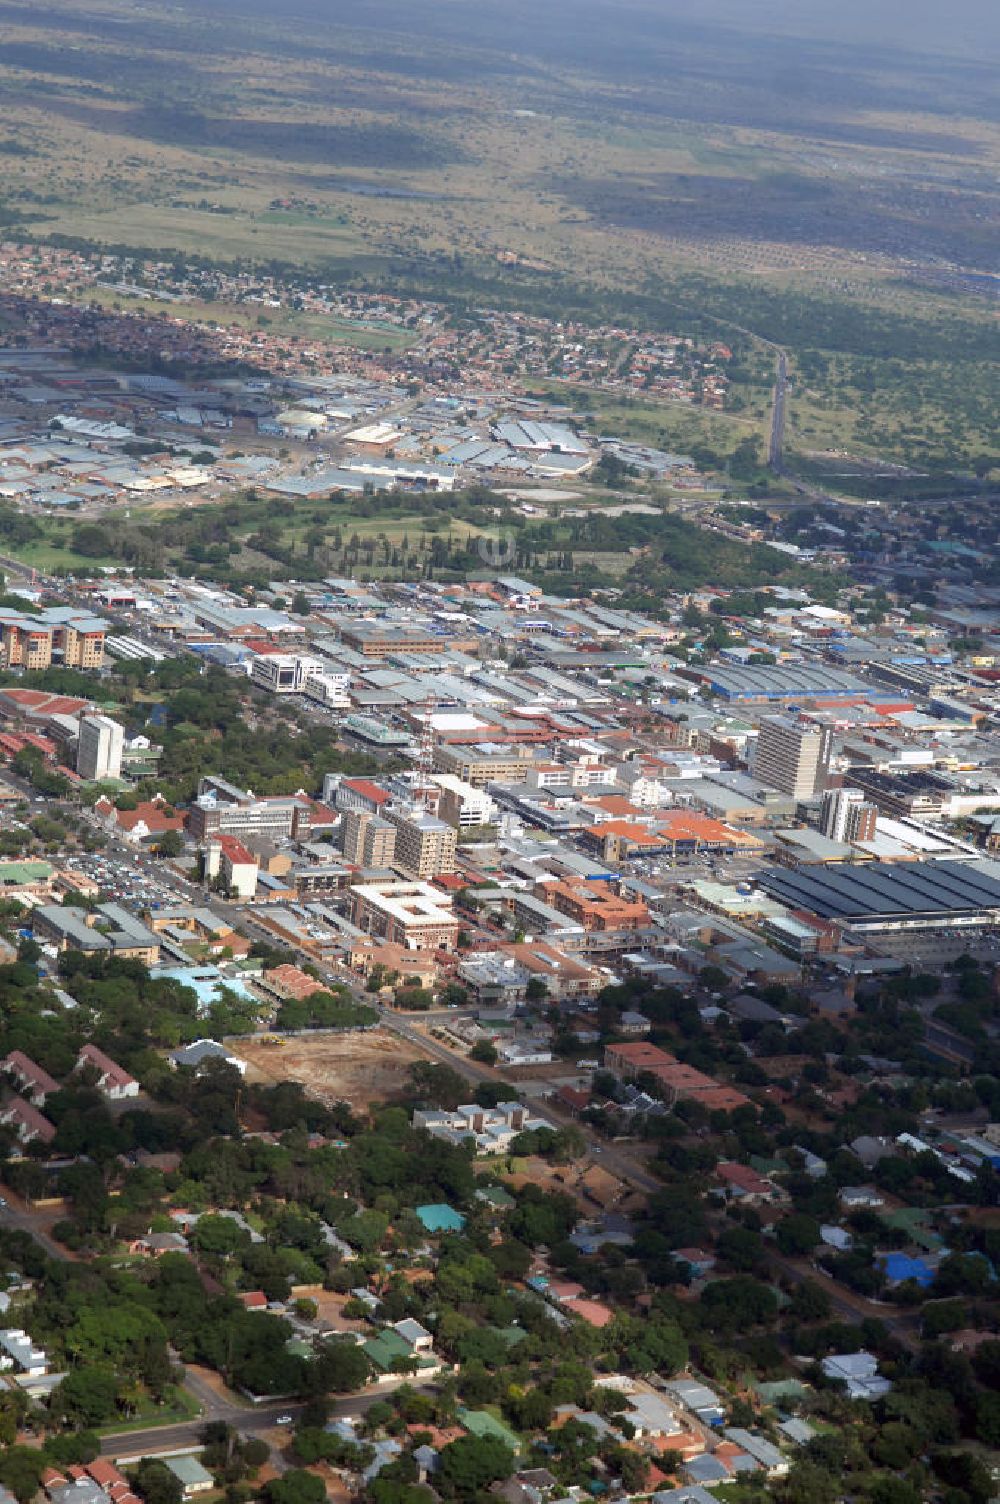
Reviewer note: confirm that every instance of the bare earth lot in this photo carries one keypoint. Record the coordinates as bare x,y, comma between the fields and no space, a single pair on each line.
355,1068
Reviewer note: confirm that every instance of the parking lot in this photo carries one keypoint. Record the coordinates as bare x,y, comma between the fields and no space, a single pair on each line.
929,950
135,883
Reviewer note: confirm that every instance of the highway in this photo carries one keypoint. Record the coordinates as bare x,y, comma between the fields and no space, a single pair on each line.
779,403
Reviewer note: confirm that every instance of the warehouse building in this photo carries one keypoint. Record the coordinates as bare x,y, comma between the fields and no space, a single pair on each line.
892,896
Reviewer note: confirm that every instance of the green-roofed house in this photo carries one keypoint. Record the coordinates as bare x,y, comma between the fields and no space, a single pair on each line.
780,1391
439,1217
496,1197
193,1478
388,1347
914,1221
482,1423
513,1336
765,1166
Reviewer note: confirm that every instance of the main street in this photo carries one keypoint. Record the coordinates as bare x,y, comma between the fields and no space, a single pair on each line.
246,1418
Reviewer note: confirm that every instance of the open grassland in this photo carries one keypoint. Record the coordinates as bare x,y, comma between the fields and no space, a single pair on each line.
637,155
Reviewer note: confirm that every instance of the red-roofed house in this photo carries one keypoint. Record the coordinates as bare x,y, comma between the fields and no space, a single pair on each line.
290,981
113,1080
33,1080
147,822
744,1184
28,1123
38,704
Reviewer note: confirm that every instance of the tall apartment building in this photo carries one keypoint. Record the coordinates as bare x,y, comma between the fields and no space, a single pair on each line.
792,756
425,845
368,840
846,815
99,750
461,804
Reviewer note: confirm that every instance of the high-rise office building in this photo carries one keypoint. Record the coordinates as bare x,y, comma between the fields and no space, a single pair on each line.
99,750
845,815
792,756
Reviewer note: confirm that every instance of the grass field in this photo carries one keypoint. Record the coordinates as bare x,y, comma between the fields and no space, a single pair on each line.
315,326
676,426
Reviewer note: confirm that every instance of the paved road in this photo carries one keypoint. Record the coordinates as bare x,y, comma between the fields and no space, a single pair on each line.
16,1215
15,570
779,403
845,1303
613,1158
248,1419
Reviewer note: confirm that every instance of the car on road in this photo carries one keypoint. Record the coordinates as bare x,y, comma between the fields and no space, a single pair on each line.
284,1420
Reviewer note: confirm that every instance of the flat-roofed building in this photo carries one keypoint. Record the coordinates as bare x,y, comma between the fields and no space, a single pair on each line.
99,749
425,845
411,914
462,804
223,809
369,841
378,640
109,929
793,756
483,763
283,673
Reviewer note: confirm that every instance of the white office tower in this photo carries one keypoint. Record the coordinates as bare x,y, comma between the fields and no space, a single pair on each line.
792,756
99,750
846,815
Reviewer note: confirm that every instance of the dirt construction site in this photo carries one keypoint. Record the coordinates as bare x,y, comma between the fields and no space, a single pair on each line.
358,1068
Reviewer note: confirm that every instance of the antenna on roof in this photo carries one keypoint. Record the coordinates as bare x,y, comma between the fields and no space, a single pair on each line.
425,760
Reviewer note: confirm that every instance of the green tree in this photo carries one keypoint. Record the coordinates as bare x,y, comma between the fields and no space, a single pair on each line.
474,1462
808,1483
797,1235
219,1235
296,1487
21,1470
87,1396
156,1484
